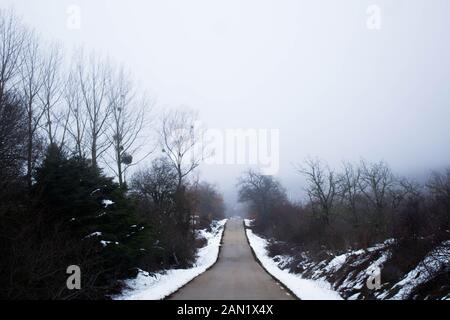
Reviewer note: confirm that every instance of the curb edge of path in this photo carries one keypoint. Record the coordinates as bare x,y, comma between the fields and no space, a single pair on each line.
215,262
262,266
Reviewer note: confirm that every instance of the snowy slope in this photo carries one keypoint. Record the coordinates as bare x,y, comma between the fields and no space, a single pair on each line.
159,286
423,272
302,288
348,273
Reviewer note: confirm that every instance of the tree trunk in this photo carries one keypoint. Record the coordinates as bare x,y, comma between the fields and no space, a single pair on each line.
119,167
94,152
30,149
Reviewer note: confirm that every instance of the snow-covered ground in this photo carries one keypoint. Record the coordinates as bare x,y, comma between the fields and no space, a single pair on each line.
303,288
347,274
160,285
423,272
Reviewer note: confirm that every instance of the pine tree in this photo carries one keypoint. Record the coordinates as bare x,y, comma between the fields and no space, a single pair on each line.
93,211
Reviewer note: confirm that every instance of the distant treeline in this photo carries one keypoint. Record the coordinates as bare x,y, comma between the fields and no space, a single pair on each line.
358,206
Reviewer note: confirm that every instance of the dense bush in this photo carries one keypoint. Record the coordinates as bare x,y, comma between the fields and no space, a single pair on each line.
165,206
208,204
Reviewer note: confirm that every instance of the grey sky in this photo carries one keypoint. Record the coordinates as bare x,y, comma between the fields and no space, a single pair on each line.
312,69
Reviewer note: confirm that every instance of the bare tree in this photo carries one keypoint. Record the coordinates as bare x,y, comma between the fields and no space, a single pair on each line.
12,39
376,183
158,183
182,141
94,81
349,191
439,186
51,94
128,123
13,126
262,192
32,82
322,189
76,118
12,138
208,202
439,189
404,190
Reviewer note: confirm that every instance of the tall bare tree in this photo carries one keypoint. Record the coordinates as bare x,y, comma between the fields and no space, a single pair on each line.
94,78
32,82
75,116
349,190
323,187
12,137
129,115
376,183
182,141
51,94
12,40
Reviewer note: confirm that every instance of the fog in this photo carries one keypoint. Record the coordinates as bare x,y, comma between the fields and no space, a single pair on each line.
334,88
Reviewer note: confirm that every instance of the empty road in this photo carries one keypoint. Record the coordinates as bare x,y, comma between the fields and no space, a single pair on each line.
235,276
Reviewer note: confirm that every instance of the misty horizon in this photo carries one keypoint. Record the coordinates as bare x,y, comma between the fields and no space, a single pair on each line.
313,70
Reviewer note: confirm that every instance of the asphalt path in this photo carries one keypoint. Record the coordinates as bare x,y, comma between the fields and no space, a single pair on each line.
235,276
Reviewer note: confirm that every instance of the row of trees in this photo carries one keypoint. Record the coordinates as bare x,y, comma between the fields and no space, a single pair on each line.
86,105
352,208
64,126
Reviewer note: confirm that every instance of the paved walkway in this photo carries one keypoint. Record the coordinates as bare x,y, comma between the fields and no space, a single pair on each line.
235,276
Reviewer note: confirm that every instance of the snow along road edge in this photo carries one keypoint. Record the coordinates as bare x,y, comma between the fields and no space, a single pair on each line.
304,289
164,284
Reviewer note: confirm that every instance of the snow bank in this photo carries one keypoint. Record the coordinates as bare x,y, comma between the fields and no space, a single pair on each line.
347,274
424,271
339,261
302,288
160,285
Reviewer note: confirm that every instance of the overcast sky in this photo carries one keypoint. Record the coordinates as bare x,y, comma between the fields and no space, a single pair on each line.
312,69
